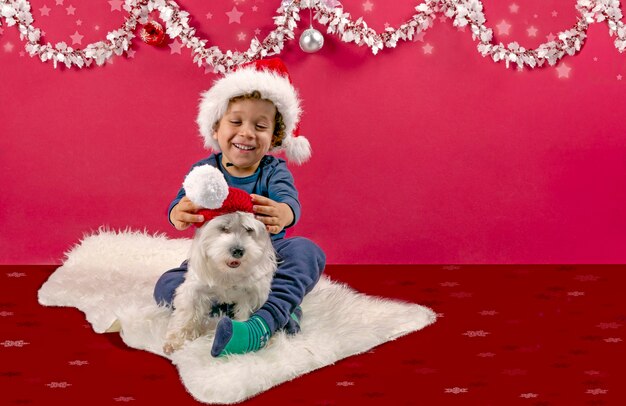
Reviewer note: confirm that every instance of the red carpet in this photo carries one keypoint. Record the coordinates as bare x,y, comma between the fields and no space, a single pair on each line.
507,335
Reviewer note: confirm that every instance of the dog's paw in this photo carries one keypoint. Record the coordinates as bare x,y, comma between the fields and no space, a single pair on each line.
173,343
169,349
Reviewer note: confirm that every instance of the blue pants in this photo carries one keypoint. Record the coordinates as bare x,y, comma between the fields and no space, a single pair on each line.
300,265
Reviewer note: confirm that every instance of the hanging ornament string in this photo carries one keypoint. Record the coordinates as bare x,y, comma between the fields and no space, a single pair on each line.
327,12
311,39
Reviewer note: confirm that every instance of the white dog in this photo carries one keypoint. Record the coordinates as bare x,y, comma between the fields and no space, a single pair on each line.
232,261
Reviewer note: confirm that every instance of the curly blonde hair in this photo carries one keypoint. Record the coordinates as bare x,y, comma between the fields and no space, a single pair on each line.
279,124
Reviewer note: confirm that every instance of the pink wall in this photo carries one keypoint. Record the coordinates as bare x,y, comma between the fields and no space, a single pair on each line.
418,158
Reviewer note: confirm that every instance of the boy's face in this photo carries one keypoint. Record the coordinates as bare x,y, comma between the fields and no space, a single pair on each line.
245,133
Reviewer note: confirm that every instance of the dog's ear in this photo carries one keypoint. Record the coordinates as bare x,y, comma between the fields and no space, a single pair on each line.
197,255
259,228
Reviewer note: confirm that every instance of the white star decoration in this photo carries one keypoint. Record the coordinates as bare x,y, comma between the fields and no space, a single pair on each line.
8,47
76,38
503,28
59,2
234,16
241,36
175,47
619,77
428,49
116,5
45,11
532,31
513,8
563,71
368,6
70,10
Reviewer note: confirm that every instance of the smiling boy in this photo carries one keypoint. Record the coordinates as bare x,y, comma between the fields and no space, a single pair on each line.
246,114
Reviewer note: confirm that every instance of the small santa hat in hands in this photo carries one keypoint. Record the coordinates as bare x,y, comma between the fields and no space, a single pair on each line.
205,186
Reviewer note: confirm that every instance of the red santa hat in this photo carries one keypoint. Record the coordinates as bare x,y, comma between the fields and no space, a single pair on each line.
205,186
270,78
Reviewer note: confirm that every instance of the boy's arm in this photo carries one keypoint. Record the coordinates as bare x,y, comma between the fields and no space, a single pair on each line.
282,189
179,196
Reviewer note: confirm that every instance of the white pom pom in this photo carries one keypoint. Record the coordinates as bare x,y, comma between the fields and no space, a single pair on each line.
205,186
297,149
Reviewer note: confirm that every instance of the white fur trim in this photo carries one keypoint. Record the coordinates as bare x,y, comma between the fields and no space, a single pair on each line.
205,186
272,86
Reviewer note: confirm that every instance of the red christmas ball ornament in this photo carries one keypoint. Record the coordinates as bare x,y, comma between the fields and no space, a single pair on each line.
152,33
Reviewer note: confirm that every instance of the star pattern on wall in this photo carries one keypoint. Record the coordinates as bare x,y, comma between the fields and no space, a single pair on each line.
116,5
77,38
175,47
563,71
234,16
45,11
503,28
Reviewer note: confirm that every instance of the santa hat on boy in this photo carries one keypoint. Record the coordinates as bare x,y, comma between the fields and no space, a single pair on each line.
270,78
205,186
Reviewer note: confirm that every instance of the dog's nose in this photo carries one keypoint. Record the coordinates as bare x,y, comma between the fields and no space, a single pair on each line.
237,252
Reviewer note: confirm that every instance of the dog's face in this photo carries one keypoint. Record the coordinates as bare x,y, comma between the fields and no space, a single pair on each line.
233,242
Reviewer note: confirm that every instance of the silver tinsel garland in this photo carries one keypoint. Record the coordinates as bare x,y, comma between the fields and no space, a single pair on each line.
328,13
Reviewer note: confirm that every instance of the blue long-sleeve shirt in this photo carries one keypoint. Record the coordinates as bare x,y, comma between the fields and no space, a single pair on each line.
272,179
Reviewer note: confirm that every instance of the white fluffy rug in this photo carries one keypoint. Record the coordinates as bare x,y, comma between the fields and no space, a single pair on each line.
110,276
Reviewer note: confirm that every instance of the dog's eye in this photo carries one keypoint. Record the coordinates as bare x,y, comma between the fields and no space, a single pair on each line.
225,229
249,230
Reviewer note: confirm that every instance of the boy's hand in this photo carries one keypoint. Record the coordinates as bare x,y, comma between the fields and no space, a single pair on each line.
183,214
274,215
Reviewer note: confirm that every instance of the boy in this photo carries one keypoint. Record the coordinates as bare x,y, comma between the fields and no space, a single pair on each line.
245,115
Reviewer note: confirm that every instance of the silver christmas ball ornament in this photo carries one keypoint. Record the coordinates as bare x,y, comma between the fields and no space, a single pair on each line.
311,40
